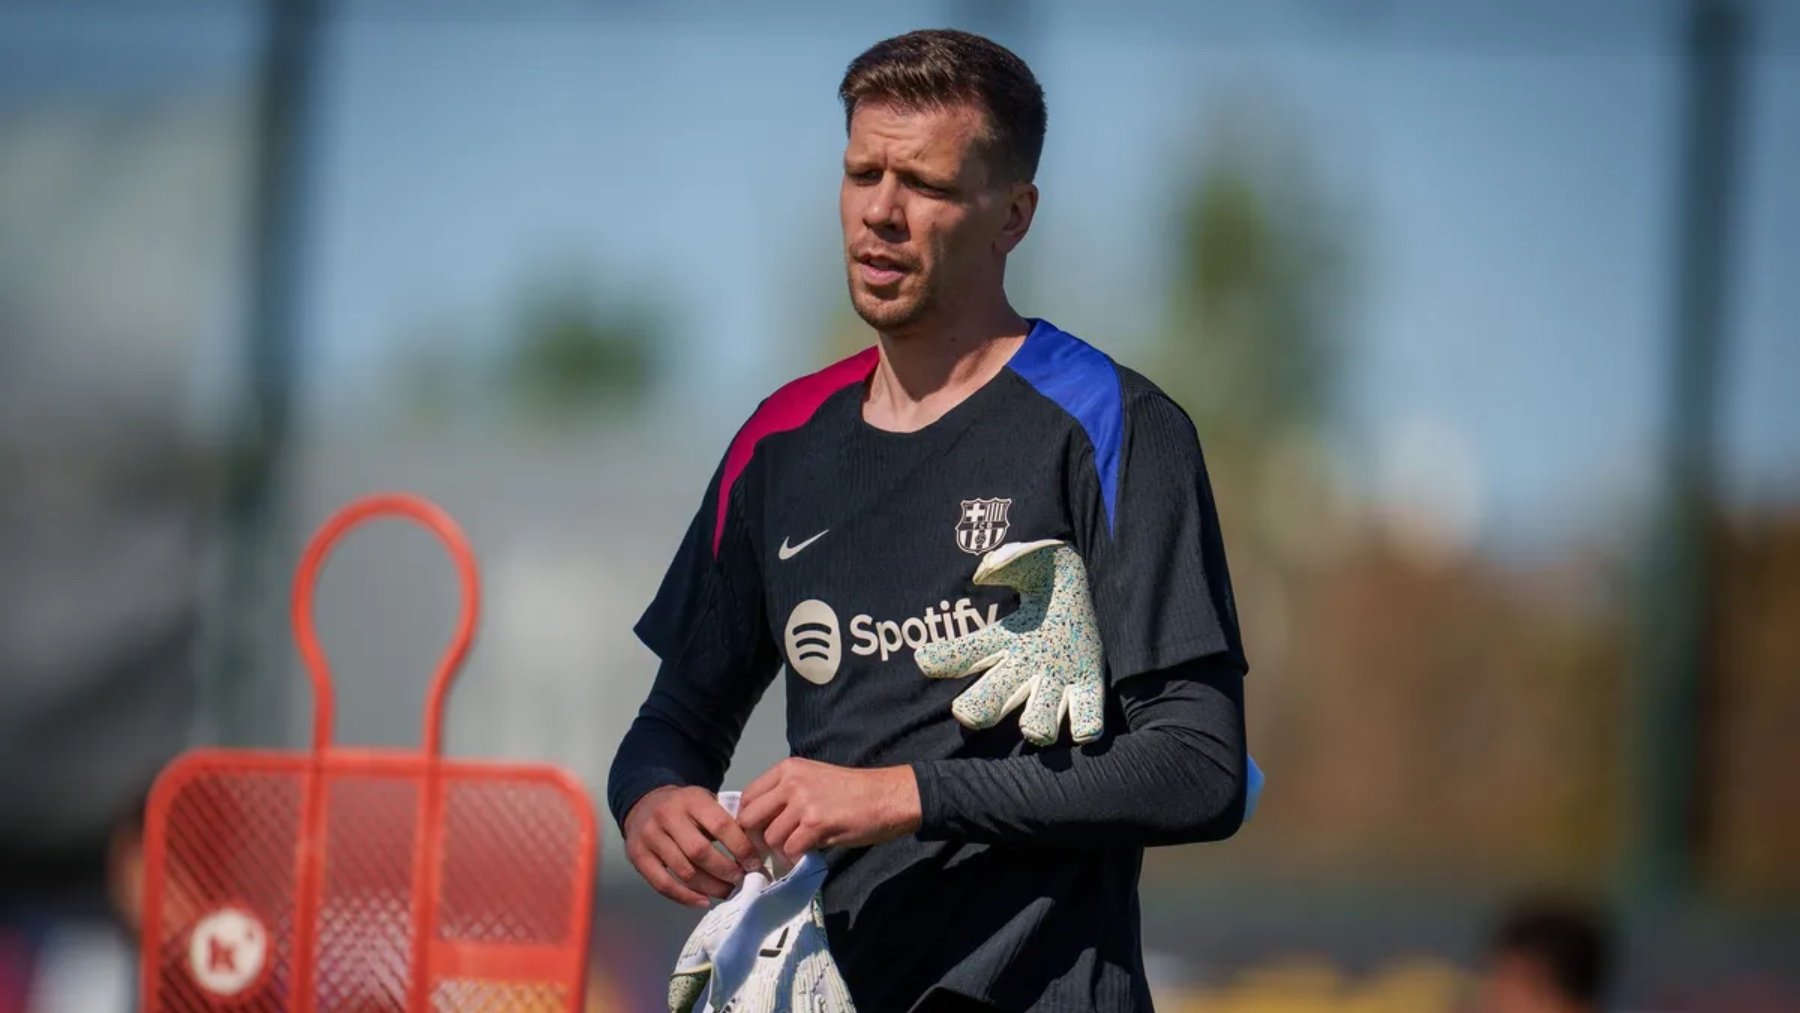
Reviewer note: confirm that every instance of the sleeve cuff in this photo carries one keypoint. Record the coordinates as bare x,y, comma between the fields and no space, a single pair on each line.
628,793
933,821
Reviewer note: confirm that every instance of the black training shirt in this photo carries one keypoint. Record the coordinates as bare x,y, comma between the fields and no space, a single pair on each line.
837,548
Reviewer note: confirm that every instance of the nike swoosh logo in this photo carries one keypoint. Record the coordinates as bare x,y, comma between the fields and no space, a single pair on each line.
787,552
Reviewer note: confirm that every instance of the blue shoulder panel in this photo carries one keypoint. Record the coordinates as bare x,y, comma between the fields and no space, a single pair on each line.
1084,382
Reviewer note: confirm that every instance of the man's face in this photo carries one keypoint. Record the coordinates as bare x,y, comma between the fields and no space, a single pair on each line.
1518,983
926,224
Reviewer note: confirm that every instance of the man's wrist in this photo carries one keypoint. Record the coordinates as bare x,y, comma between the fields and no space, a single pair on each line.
636,792
903,813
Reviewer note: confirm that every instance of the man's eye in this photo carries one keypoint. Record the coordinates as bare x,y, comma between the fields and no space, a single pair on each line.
929,190
864,176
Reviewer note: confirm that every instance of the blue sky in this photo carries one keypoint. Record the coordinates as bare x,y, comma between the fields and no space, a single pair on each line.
1511,203
1508,178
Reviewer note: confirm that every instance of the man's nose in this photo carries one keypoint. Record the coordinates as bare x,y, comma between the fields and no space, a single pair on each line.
883,210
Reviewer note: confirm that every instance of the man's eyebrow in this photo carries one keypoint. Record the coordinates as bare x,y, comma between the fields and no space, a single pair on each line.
914,175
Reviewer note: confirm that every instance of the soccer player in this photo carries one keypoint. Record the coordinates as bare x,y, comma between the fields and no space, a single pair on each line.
969,869
1547,956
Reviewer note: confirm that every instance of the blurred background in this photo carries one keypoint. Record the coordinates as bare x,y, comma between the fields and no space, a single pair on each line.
1486,314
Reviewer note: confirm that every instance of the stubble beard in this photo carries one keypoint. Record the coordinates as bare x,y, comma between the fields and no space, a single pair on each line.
889,316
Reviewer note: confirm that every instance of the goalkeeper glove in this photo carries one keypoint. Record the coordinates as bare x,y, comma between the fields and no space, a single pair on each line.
763,949
1045,655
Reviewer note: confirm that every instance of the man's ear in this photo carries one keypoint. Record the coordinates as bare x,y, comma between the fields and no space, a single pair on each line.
1021,207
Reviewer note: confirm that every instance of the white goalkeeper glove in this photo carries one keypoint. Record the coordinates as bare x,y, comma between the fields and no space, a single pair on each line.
763,949
1045,655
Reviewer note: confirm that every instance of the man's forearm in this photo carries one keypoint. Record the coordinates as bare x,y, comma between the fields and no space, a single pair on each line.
654,754
673,741
1175,775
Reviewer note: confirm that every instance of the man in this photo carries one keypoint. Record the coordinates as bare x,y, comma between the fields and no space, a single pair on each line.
841,532
1547,957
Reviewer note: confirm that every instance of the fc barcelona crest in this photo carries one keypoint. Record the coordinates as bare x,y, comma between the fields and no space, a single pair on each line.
983,525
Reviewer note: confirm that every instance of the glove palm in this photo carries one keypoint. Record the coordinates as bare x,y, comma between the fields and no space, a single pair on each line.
1045,656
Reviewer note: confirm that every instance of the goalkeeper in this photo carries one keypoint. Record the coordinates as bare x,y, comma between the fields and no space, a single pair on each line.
913,536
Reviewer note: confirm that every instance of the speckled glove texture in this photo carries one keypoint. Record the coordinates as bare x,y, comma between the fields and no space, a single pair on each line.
1045,656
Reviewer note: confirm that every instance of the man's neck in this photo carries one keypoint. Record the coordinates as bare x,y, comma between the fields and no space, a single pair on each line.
924,374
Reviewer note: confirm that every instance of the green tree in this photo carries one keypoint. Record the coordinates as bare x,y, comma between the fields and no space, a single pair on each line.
574,355
1247,347
1248,340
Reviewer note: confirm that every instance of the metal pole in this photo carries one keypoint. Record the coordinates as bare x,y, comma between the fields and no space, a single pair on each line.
1673,759
238,698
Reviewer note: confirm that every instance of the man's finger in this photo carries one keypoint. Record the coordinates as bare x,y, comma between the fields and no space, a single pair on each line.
756,814
762,846
667,851
699,849
762,785
643,856
659,879
802,840
781,829
717,822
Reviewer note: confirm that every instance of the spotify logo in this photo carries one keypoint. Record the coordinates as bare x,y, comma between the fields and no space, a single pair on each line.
814,643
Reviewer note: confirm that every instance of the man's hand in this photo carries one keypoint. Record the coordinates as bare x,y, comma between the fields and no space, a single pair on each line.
669,835
799,805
